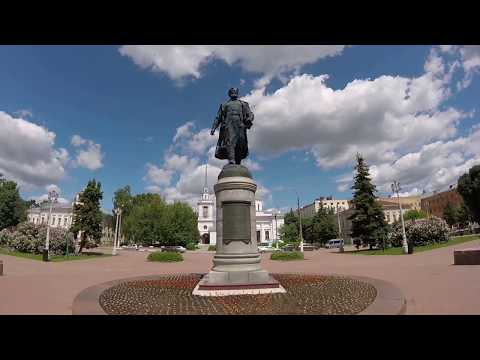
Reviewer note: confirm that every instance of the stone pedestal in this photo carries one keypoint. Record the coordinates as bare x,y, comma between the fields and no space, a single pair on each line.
237,260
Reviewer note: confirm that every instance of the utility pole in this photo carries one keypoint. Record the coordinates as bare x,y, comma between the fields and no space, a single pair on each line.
52,197
300,223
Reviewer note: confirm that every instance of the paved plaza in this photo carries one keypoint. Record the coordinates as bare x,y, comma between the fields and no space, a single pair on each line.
429,280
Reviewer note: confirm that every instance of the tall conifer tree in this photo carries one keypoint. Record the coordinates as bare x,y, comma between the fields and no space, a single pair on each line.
368,221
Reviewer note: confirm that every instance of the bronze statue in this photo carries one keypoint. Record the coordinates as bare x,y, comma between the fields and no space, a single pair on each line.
234,118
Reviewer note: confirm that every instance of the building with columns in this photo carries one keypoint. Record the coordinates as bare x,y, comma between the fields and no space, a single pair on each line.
267,223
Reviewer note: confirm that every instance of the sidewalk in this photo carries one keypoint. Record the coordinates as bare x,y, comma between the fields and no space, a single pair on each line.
429,280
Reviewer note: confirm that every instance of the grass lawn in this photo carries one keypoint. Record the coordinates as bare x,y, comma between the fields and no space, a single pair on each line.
399,251
53,258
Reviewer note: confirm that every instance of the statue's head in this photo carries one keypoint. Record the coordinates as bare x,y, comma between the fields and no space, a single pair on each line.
233,93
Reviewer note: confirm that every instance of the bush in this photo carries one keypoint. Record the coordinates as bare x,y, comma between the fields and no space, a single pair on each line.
287,255
30,238
165,256
192,246
212,248
420,232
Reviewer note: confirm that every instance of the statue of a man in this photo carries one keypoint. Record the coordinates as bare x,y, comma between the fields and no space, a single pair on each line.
234,118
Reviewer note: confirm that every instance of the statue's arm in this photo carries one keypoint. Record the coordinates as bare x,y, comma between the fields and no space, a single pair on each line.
248,115
217,121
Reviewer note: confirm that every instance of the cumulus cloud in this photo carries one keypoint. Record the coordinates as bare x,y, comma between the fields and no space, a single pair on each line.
182,61
469,59
158,176
28,154
89,154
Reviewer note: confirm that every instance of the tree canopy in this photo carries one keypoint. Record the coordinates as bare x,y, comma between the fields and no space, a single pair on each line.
414,214
150,220
13,209
469,188
87,216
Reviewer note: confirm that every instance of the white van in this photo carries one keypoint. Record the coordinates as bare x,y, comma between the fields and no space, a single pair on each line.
334,243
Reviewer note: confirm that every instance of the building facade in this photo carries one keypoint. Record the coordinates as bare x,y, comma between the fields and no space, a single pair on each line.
391,213
414,202
435,202
267,224
328,203
62,215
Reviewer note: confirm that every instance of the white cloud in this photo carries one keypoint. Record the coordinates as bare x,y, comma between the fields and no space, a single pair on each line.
89,154
182,61
469,58
28,154
158,176
183,131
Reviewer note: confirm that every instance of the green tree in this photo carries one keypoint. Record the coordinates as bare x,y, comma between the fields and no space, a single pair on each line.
324,225
368,222
450,214
464,217
289,231
469,188
179,226
414,214
87,216
143,224
123,198
13,209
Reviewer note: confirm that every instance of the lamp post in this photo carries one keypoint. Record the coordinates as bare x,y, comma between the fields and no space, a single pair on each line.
396,189
114,250
52,198
276,229
340,229
300,222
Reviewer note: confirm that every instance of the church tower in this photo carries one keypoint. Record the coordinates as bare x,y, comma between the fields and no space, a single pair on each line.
206,216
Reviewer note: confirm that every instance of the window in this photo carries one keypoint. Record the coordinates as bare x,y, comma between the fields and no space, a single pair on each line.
205,212
267,235
43,220
258,236
59,220
53,221
65,221
205,227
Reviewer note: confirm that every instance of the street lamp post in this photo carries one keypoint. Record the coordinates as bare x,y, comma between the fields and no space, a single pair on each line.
340,229
300,222
396,189
114,250
276,229
52,198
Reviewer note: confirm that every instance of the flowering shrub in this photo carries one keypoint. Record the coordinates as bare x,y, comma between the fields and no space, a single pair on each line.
421,232
30,238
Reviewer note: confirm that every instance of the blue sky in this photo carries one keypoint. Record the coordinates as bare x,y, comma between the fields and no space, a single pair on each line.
137,115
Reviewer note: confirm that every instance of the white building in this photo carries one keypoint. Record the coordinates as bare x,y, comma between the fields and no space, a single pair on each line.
62,215
328,203
267,223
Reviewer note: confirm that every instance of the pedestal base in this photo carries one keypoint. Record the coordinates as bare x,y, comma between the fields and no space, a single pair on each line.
217,283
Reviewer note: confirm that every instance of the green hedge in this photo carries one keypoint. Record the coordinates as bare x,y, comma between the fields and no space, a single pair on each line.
212,248
165,256
287,255
191,246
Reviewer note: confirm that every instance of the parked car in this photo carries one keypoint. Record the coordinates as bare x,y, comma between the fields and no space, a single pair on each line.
266,247
334,243
179,249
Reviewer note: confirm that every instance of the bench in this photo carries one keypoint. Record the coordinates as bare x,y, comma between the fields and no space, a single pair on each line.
470,256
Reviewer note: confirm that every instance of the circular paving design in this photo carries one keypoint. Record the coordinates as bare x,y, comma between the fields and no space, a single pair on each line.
172,295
